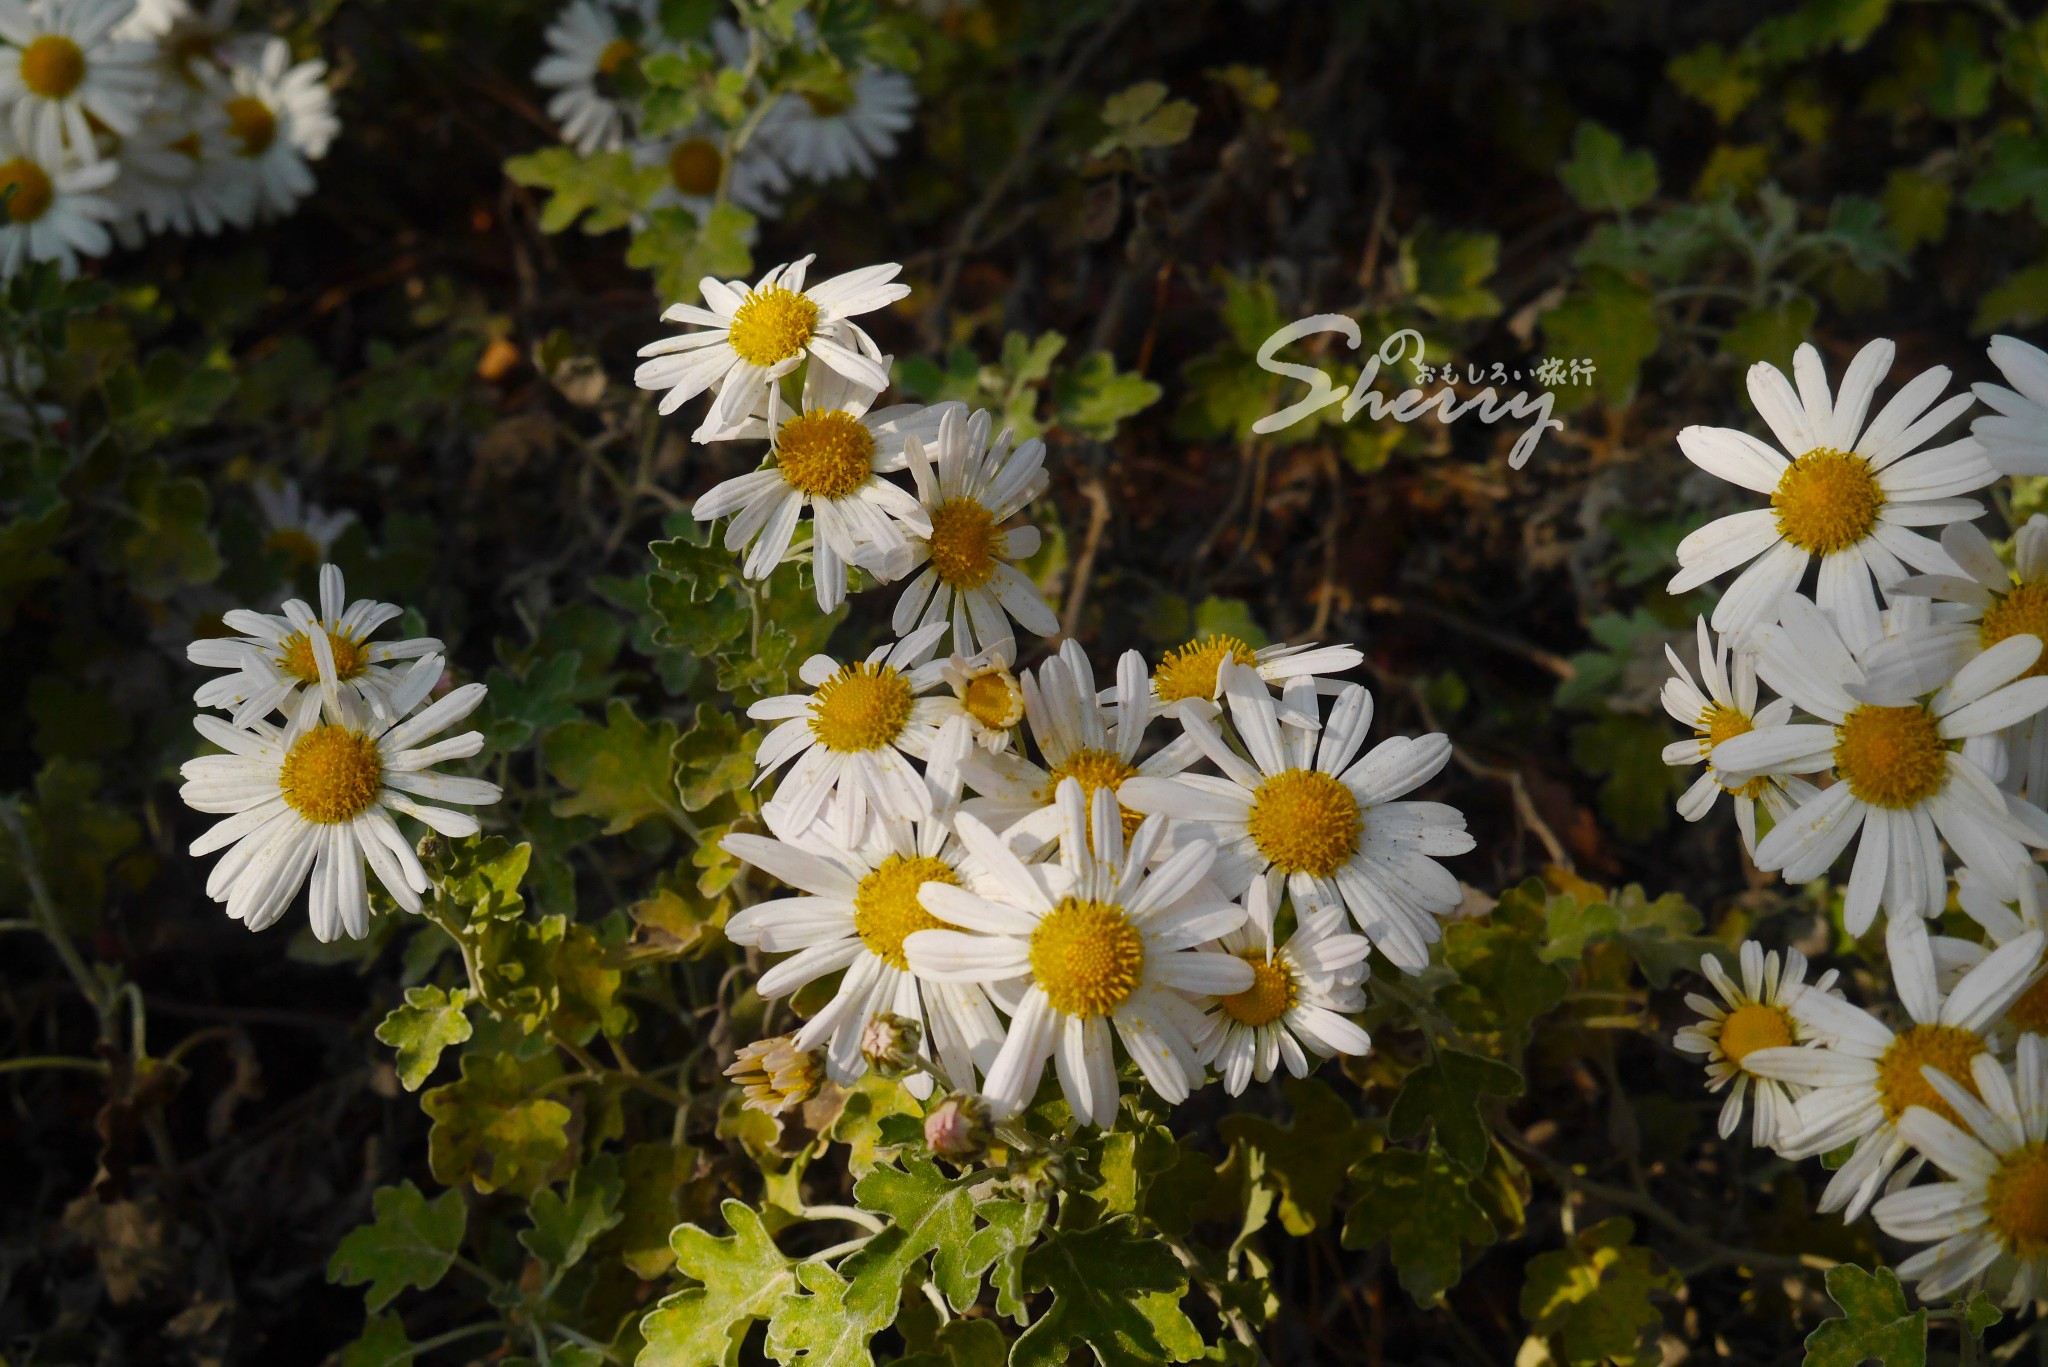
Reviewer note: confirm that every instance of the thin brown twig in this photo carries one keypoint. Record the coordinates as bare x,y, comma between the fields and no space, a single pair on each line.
1084,567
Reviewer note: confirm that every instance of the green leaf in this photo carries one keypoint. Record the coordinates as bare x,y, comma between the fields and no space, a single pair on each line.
1916,207
1716,78
654,1178
1445,1092
1422,1206
607,187
1092,398
1605,176
619,771
1503,983
382,1344
1305,1160
1592,1299
1637,785
1874,1323
1116,1291
963,1343
170,542
1009,1229
1610,321
543,696
411,1242
744,1276
1660,935
713,758
566,1224
2018,174
25,554
493,1130
1446,272
481,874
167,394
1980,1313
431,1020
930,1216
681,251
2020,300
1771,333
1141,116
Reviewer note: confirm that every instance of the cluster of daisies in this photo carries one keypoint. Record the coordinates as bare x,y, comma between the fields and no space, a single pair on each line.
327,738
121,119
1195,860
840,123
1909,724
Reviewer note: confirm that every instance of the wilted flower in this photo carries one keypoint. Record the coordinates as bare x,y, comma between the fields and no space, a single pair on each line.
776,1075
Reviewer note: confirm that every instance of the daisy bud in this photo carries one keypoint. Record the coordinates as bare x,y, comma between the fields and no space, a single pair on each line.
889,1043
776,1075
958,1127
434,850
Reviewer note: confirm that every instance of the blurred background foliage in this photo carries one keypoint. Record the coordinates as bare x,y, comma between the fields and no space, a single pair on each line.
1104,210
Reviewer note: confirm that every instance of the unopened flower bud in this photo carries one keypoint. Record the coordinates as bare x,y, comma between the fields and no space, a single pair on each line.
958,1127
889,1043
776,1075
434,850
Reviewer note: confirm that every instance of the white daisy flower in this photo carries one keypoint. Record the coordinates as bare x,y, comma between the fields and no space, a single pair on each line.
303,532
754,336
2015,434
850,734
860,902
61,66
1846,493
58,211
969,487
1194,671
1307,810
986,695
1997,604
591,63
1298,1005
190,41
1076,738
177,174
280,117
1724,708
317,798
1114,948
276,656
1906,731
2004,918
829,457
822,137
1751,1015
698,161
1991,1138
1863,1076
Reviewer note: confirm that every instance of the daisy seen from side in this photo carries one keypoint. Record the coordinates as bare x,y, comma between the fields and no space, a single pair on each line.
2015,432
1722,704
1195,670
1108,957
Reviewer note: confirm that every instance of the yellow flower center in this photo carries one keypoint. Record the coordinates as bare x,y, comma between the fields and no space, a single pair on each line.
963,543
886,909
862,707
1717,724
1753,1027
2029,1015
2016,1198
695,166
52,66
252,123
1087,957
1095,769
1945,1048
994,699
2023,612
189,146
1190,671
825,453
1827,501
618,53
331,774
1271,995
1891,756
1305,821
773,325
351,658
33,192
